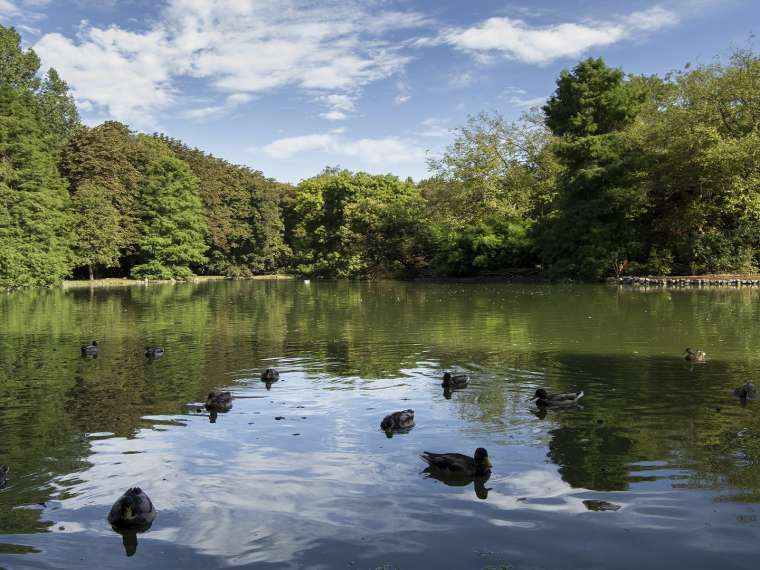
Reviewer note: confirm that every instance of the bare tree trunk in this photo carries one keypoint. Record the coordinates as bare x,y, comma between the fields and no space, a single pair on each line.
92,273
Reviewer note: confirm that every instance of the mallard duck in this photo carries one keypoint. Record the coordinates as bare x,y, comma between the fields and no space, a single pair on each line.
90,350
4,475
746,391
218,401
133,510
154,352
270,375
694,355
398,420
455,380
457,464
542,398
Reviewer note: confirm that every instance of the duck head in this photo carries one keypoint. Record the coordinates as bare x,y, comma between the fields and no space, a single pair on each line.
482,462
540,394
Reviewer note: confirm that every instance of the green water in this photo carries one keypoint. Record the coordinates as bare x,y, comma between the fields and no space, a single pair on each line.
664,440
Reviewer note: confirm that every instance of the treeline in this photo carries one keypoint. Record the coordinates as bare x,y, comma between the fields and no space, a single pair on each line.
615,174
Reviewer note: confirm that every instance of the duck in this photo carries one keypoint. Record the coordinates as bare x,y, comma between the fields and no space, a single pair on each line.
542,398
270,375
132,510
694,355
398,421
746,391
4,475
218,401
90,350
457,464
455,380
154,352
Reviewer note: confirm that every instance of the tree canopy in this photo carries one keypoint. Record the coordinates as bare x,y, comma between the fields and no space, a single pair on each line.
615,174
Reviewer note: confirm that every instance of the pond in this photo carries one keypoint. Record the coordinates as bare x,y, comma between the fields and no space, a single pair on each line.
658,467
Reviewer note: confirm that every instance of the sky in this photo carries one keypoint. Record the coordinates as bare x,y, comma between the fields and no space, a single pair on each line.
291,86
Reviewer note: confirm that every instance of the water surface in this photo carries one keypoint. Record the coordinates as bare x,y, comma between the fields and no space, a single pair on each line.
660,468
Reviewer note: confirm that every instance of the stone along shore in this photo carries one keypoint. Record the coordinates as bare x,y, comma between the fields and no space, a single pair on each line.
727,281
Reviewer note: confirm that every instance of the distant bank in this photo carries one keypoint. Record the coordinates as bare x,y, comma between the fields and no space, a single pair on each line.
715,280
122,282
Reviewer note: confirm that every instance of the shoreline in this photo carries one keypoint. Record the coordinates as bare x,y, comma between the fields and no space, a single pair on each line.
125,282
726,280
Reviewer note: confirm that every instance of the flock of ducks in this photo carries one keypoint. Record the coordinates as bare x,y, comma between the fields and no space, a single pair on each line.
134,512
456,465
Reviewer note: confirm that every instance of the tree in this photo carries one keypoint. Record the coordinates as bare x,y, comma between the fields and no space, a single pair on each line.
599,206
18,68
57,108
98,232
356,224
173,232
241,210
106,156
495,166
35,228
701,130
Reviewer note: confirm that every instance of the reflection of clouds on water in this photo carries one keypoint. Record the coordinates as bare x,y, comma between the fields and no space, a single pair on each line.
231,497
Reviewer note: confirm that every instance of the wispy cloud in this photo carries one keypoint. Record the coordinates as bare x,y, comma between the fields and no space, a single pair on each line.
516,39
373,151
339,106
234,47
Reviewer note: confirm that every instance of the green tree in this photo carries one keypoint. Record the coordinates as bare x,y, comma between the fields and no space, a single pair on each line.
173,232
35,228
98,232
595,228
18,68
356,224
701,132
241,210
106,156
57,108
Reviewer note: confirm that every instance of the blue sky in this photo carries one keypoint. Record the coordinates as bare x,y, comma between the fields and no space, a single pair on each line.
291,86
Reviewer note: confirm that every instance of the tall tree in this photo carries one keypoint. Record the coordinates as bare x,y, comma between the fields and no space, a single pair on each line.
35,228
98,232
57,108
106,156
18,68
594,232
173,232
241,210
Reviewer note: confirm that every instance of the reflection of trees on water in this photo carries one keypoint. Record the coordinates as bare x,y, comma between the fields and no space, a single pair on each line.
510,338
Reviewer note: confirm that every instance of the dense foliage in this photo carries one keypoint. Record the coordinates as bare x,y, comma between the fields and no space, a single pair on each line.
615,174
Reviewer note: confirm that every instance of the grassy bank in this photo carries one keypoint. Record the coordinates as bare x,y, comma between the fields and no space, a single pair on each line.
122,282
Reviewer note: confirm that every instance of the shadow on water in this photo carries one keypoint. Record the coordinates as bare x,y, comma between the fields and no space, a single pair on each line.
665,440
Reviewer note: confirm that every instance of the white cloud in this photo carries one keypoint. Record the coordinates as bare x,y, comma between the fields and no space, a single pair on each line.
401,98
387,150
210,111
340,106
435,127
234,46
289,146
8,9
527,103
516,39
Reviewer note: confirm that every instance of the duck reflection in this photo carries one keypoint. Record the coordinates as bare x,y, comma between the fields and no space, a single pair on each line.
132,514
129,538
479,482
